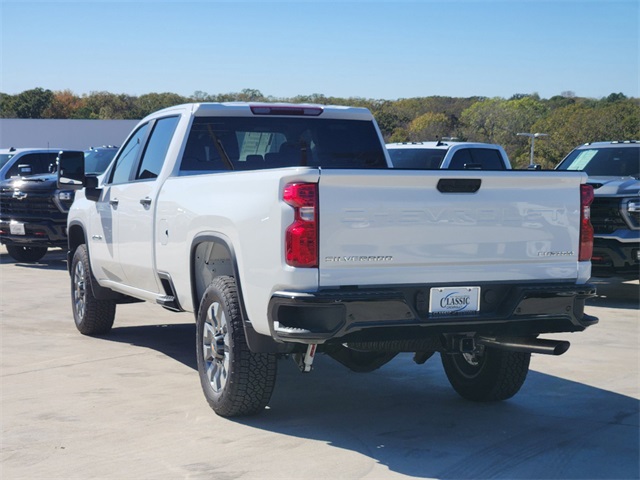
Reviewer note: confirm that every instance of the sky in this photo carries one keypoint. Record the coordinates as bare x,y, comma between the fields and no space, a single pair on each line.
369,48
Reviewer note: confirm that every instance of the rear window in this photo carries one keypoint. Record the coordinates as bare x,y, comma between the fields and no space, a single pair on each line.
254,143
477,159
417,158
608,162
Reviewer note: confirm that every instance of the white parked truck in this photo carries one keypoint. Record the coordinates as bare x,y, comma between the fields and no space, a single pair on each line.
284,230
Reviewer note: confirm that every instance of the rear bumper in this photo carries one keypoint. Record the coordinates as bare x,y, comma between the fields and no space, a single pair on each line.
403,312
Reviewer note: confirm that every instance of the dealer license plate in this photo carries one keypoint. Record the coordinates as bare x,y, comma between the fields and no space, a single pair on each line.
16,228
454,300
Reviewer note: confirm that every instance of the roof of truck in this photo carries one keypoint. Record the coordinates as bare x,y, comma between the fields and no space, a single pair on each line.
266,109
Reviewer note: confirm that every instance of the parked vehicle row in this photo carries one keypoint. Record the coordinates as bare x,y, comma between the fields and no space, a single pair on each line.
33,210
612,166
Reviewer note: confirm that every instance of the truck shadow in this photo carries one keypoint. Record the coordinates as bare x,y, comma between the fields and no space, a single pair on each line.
176,341
53,260
406,417
615,293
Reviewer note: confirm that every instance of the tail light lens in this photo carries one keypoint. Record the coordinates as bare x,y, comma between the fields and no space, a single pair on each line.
301,238
586,229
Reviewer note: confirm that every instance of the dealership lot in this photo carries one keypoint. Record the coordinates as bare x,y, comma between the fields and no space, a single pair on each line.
129,405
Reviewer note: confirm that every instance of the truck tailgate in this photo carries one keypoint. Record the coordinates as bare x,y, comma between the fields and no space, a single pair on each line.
429,227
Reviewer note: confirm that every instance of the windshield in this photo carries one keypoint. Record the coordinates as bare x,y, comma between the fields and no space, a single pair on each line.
97,161
417,158
604,162
4,158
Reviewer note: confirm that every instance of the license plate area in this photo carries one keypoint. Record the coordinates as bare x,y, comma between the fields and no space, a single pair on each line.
16,228
454,301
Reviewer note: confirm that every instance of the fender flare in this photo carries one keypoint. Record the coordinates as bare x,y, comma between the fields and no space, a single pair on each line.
257,342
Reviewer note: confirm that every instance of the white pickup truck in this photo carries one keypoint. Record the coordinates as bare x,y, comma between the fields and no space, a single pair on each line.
285,231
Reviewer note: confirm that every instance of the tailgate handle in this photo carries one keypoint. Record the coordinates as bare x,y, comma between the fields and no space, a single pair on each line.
459,185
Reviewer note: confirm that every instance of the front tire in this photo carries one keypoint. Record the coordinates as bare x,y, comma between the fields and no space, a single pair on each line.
235,380
26,254
493,376
92,316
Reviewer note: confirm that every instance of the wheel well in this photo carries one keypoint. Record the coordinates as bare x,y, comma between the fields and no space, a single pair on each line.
76,237
211,258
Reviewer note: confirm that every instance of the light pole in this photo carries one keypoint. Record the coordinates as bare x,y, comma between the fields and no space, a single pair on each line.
533,137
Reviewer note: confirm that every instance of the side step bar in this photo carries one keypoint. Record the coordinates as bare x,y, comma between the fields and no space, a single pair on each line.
169,302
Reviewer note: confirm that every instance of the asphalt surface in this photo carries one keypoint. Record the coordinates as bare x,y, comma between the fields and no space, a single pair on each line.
129,405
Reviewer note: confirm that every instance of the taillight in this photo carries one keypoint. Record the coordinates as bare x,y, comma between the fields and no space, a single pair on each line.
301,238
586,229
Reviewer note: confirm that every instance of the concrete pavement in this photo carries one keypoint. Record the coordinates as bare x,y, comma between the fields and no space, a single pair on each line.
129,405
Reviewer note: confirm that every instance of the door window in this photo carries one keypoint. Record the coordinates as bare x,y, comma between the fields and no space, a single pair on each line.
126,161
156,151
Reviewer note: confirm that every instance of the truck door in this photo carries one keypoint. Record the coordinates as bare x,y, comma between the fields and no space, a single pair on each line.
135,210
103,237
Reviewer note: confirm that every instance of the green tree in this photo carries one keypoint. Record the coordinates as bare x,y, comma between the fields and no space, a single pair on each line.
499,121
429,126
110,106
151,102
30,103
583,122
6,106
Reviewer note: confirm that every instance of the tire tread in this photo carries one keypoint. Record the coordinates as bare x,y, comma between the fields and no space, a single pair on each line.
99,314
251,385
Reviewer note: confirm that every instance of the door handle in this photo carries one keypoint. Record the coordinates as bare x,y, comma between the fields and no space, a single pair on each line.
114,202
146,201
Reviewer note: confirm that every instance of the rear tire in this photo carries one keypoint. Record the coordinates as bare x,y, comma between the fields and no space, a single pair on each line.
495,375
92,316
26,254
235,381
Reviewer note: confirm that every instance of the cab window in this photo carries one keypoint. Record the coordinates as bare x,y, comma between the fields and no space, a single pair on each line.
156,150
126,161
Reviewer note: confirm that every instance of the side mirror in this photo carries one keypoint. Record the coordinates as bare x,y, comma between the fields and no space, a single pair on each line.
71,170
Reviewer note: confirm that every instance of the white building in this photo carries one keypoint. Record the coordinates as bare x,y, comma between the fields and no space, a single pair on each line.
69,134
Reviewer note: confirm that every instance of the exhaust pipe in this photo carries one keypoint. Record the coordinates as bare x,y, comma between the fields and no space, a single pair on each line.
524,344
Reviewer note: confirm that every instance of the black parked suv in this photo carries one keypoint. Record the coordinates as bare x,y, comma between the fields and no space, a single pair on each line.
33,211
614,172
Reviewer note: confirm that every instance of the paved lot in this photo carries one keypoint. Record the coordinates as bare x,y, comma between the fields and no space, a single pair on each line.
129,406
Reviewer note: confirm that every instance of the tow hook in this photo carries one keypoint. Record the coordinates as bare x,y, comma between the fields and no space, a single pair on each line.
305,360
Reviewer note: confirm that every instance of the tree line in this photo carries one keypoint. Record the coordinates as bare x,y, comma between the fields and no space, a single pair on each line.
567,119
